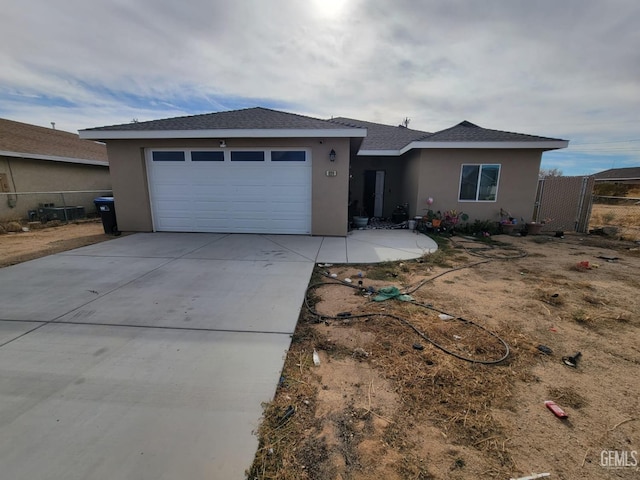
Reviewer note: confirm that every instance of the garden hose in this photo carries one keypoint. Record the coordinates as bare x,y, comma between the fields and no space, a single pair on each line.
404,321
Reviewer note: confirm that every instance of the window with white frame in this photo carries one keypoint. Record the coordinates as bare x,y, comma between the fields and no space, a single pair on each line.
479,183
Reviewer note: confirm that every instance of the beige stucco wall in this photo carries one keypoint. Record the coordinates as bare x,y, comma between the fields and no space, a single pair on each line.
329,194
27,175
439,178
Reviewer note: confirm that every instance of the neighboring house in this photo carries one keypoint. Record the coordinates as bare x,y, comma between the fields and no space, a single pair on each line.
38,159
263,171
619,175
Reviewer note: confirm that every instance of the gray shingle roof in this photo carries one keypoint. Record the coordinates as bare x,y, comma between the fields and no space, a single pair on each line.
468,132
629,173
245,119
382,137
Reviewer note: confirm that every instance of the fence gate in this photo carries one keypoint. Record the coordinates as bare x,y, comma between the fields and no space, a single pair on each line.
564,203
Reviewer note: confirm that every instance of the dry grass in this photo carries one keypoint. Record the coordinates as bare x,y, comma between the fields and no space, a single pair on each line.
625,217
432,387
444,417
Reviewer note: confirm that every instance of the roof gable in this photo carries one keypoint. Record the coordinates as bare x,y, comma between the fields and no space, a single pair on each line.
466,131
31,141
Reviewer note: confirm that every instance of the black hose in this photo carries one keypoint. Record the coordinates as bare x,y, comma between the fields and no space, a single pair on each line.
405,322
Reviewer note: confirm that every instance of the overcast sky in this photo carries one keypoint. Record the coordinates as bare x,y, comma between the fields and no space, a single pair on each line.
561,68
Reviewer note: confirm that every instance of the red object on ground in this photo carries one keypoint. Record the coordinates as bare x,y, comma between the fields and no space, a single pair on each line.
557,411
584,264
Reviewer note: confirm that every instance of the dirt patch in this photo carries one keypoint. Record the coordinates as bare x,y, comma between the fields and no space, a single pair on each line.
386,403
21,246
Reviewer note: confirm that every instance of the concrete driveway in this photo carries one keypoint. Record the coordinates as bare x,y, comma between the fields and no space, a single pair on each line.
149,356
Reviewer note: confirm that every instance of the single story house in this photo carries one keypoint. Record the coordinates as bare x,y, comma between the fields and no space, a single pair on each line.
258,170
619,175
37,159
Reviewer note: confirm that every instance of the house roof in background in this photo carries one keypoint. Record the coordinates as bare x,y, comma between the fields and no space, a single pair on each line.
255,122
630,173
382,137
23,140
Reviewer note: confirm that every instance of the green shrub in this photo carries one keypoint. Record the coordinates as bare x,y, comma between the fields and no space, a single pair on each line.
478,227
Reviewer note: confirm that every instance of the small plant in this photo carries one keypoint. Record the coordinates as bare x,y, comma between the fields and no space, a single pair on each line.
451,218
580,316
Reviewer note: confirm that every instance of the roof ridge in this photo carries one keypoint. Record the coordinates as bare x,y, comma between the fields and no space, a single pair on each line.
211,114
44,129
341,120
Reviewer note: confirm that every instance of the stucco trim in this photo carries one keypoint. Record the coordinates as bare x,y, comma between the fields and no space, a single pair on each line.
539,145
53,158
381,153
222,133
542,144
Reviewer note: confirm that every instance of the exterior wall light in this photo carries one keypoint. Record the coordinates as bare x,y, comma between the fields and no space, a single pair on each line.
332,155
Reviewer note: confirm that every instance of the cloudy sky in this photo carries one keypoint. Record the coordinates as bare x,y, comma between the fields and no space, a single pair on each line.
562,68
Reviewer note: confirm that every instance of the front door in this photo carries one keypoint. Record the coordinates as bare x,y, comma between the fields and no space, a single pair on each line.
373,200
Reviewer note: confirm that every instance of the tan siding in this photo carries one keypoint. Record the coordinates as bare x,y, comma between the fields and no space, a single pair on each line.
410,182
439,178
42,175
329,194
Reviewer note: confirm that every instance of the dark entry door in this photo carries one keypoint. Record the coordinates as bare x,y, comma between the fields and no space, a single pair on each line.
373,192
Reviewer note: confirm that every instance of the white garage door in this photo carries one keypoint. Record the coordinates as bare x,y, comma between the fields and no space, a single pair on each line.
234,191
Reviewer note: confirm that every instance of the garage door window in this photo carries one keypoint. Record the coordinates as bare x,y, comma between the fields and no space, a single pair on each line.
173,156
207,156
255,156
288,156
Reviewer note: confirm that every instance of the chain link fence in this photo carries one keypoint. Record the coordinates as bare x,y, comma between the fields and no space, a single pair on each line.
564,203
61,206
616,216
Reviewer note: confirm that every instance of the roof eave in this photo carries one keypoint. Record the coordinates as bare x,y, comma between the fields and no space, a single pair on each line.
223,133
615,179
54,158
538,145
379,153
541,144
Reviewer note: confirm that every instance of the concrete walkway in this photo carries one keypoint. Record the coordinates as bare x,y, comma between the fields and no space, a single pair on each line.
148,356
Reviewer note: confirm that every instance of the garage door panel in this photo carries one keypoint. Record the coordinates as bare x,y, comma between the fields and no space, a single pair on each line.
227,197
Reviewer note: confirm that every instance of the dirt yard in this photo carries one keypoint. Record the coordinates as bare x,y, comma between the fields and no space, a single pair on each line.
386,403
17,247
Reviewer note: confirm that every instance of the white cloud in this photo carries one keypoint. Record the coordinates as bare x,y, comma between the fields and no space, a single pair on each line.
565,69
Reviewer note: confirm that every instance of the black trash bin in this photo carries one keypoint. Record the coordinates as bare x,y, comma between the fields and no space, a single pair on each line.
106,208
